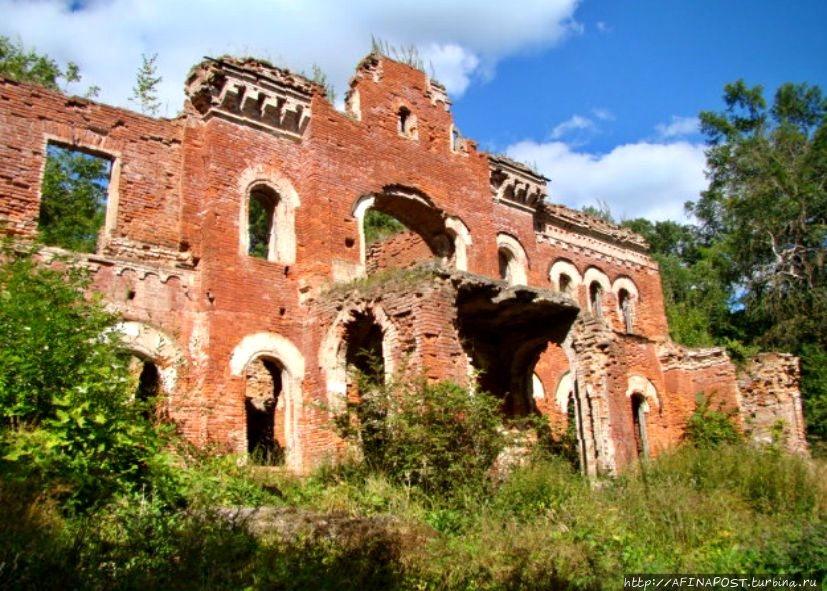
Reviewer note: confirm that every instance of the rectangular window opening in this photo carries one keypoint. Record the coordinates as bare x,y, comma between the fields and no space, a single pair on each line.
73,198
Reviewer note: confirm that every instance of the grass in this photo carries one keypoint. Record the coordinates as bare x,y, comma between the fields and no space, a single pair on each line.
734,509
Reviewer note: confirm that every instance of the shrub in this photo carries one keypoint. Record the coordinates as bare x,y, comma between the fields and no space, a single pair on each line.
711,427
438,437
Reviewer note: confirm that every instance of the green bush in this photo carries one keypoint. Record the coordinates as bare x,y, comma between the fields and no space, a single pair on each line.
710,427
438,437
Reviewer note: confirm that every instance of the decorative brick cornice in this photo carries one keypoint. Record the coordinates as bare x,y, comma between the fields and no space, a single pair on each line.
252,92
516,184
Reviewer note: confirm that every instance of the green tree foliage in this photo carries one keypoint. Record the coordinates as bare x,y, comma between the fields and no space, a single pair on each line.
19,63
145,91
767,206
765,212
67,419
73,199
260,224
696,289
26,65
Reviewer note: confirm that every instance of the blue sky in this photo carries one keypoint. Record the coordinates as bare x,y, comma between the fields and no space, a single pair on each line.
600,95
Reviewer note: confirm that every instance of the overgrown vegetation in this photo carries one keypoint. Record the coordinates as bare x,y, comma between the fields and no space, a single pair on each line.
435,437
380,225
406,54
68,423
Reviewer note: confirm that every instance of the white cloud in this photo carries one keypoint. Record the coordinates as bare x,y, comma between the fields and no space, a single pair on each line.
602,114
573,123
678,127
644,179
454,63
464,38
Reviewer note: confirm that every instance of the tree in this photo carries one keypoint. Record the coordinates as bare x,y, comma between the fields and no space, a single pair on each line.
68,421
767,203
766,214
696,288
26,65
145,91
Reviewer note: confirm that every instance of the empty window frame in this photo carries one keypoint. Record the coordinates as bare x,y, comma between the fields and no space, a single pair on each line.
74,197
261,223
639,408
624,301
596,299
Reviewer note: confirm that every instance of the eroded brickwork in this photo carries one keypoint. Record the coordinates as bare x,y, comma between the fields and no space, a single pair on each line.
554,312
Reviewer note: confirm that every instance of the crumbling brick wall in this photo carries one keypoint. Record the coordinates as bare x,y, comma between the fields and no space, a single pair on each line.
401,251
544,299
771,402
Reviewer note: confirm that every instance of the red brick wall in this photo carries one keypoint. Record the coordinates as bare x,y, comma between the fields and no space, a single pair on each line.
174,260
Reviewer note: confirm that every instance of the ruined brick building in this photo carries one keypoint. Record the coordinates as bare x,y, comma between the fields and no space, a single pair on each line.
234,249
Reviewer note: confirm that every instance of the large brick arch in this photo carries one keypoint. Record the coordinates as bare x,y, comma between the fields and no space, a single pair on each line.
417,212
280,349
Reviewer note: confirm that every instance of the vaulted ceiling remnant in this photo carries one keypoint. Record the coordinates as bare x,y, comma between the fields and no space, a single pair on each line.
504,331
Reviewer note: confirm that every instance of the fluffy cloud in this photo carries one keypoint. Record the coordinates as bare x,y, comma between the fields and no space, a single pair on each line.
573,123
463,39
644,179
678,127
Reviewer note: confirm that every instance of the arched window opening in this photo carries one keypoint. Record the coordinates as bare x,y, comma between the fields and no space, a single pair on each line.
505,259
571,449
596,299
148,384
407,123
364,357
565,284
626,309
264,409
639,408
261,214
512,260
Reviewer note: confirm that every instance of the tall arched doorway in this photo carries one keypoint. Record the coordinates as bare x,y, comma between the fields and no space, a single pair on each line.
264,412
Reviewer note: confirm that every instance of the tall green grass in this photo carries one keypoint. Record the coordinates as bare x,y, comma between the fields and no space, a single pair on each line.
733,509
